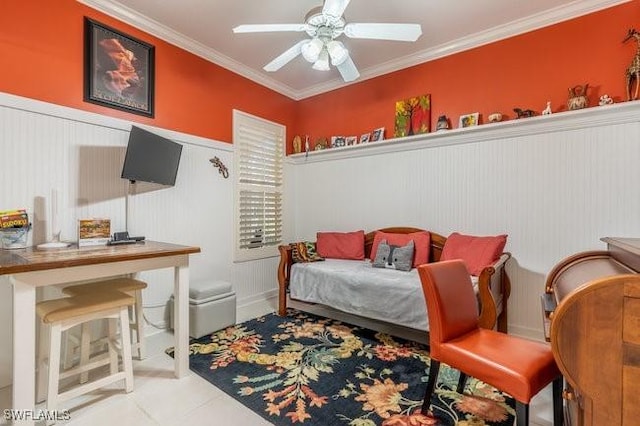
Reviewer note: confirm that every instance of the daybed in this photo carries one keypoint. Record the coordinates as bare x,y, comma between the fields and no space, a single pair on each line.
390,296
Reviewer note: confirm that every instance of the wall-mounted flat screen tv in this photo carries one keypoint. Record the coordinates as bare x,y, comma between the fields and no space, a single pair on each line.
151,158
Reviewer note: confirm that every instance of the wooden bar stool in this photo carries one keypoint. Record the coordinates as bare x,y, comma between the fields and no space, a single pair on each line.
59,315
129,286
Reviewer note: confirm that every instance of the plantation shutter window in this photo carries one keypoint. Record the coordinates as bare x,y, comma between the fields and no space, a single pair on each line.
259,147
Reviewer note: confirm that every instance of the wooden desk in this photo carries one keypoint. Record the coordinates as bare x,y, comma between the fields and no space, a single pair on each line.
31,268
595,332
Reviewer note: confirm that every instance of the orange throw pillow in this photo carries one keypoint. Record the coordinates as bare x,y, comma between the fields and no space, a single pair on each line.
422,241
341,245
476,252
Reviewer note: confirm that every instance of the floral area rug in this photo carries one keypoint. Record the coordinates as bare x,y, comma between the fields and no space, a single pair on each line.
305,369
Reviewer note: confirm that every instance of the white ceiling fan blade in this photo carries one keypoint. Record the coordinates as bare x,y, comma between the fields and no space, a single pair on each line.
335,8
264,28
379,31
348,70
286,57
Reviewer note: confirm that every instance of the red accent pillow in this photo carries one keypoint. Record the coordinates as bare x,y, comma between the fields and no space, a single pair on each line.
422,241
341,245
476,252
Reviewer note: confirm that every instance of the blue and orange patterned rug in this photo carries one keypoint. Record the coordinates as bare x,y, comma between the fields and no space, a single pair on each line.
316,371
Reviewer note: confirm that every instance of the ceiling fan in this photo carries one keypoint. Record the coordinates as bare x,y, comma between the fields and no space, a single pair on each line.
324,25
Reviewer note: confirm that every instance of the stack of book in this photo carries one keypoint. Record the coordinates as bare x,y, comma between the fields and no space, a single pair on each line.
14,227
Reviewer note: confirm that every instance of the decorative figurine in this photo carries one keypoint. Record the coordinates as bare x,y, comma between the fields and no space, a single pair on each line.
524,113
222,169
605,100
578,97
443,123
633,72
494,117
547,110
297,145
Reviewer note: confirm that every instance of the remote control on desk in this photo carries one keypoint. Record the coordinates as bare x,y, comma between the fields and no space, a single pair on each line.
120,242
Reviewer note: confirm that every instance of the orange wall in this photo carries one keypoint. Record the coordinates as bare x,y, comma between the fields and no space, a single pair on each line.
524,71
41,46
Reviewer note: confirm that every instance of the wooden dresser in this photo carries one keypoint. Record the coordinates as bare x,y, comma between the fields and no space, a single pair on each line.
592,318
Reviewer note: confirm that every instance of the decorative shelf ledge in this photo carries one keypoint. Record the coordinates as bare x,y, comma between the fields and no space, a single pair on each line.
624,112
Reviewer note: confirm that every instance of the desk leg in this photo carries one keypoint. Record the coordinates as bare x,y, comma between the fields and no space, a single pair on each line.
24,348
181,318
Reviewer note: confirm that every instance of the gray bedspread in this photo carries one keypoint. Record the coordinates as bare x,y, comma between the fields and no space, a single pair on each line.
354,286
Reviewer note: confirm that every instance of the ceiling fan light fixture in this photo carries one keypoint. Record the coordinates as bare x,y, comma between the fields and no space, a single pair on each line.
337,52
322,64
311,50
324,25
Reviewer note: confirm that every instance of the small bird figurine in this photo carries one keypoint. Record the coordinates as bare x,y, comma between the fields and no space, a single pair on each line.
547,110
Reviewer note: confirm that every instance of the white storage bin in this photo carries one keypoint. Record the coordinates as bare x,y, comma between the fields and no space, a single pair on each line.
212,306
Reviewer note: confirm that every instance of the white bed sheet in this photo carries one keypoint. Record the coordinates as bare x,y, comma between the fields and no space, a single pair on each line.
354,286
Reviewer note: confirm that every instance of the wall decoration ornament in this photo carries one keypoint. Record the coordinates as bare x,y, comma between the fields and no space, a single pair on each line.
632,74
578,97
413,116
524,113
297,144
494,117
351,140
118,70
222,169
468,120
365,138
443,123
605,100
321,144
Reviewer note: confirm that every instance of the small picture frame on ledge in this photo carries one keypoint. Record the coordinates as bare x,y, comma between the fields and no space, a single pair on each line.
377,134
351,140
365,138
468,120
337,141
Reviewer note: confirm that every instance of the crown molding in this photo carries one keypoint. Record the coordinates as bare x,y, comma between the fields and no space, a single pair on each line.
553,16
608,115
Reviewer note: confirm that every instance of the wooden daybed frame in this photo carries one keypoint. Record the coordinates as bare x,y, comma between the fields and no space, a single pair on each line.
493,312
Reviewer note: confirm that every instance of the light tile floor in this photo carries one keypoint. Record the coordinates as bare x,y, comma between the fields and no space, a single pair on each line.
160,399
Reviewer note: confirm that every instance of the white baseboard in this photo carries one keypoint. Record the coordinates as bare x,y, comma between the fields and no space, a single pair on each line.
527,332
255,306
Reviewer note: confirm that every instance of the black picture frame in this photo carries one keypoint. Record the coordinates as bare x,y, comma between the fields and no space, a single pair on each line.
119,70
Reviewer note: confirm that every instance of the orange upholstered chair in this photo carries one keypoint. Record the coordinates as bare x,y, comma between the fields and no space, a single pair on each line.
513,365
